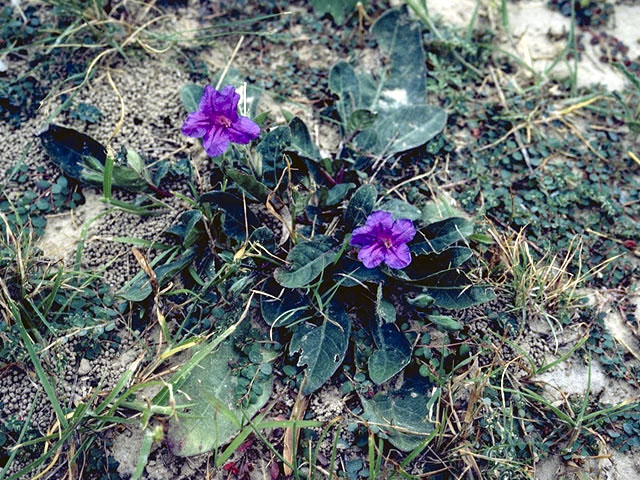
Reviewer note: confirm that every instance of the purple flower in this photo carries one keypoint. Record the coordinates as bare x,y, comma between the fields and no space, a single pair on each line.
383,240
217,120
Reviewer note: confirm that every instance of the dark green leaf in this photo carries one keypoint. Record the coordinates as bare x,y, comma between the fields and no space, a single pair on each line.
437,236
307,261
288,307
270,150
345,84
338,9
301,142
400,209
392,355
265,237
402,128
360,206
322,348
361,120
445,322
249,184
190,94
406,409
423,266
234,220
400,38
385,311
187,229
139,288
352,273
453,289
83,158
337,193
214,418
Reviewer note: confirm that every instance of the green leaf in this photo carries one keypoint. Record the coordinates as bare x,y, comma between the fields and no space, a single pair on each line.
234,219
453,289
338,9
437,236
445,322
361,119
360,206
307,261
139,288
400,38
288,307
385,311
401,129
322,348
187,229
392,355
423,266
352,273
83,158
214,417
422,300
270,150
301,142
337,193
265,237
400,209
249,184
398,97
346,85
406,409
190,94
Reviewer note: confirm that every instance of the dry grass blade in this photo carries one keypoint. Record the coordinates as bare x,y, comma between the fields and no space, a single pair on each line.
291,433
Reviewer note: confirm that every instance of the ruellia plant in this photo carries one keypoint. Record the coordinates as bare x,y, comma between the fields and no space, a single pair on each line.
331,265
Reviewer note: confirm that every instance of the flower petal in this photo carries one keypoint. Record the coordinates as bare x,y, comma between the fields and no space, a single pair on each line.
216,141
208,101
381,220
243,130
228,103
363,236
372,255
398,256
402,231
196,125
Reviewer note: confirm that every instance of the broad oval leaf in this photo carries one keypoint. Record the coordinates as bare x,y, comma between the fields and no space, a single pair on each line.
453,289
307,261
337,193
445,322
403,128
403,410
345,84
270,151
288,306
322,348
352,273
360,205
234,220
214,417
423,266
392,355
400,209
301,142
190,94
437,236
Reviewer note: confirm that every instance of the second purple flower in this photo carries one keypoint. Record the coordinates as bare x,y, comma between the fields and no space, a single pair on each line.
218,123
384,240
